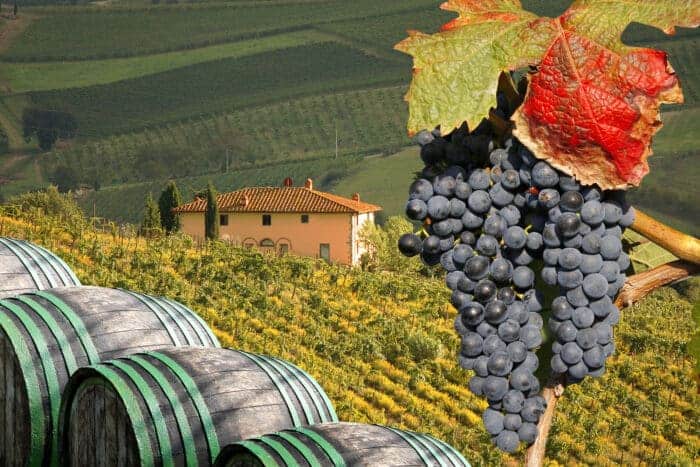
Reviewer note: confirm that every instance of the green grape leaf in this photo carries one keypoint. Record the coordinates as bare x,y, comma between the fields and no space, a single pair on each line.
455,72
645,254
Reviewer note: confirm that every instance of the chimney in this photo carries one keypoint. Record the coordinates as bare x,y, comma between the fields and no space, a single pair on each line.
288,182
309,185
356,197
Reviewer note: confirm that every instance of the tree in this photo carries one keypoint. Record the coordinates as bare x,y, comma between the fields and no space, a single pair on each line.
381,246
211,216
14,10
151,217
48,126
65,178
169,200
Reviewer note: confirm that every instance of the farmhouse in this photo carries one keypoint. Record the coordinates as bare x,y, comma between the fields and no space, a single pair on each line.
285,219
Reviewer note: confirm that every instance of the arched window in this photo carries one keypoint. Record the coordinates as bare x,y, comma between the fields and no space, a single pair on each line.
267,243
283,246
249,242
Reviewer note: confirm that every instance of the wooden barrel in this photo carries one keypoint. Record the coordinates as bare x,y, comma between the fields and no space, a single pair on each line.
45,336
25,267
341,444
178,406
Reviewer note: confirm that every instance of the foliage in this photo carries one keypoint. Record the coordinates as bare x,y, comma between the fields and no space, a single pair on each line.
361,334
643,253
381,244
64,178
48,126
151,217
169,199
211,215
50,202
4,141
592,104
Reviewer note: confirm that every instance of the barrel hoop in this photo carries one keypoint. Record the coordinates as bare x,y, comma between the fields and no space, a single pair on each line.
455,457
36,408
214,340
287,457
187,316
327,447
301,447
154,408
128,398
51,260
146,301
420,439
260,452
314,390
409,439
183,424
278,384
73,279
23,260
76,322
52,324
178,317
292,381
197,400
23,246
47,363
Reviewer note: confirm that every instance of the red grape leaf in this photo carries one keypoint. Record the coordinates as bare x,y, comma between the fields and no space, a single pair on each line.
592,107
455,72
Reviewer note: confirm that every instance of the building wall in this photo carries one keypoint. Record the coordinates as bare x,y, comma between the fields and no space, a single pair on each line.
337,230
358,246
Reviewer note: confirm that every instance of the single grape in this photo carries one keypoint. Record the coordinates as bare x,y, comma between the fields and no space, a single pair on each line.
416,209
479,202
438,207
410,245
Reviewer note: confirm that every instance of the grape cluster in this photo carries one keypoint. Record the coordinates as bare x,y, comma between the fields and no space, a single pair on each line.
475,231
489,209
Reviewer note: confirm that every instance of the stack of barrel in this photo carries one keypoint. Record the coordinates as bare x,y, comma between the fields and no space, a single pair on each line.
98,376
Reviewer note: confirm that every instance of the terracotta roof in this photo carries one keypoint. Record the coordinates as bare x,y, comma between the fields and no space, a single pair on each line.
281,199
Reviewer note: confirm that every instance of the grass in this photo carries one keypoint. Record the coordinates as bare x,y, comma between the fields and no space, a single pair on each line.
99,34
44,76
219,86
383,180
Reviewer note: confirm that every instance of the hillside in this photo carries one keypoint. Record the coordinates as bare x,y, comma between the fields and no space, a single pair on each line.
383,347
188,90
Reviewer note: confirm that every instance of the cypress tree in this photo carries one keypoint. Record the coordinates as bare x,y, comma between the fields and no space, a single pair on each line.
151,217
169,200
211,216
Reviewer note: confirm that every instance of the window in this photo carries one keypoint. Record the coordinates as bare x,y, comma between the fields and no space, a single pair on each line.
283,249
304,218
267,243
325,251
223,219
267,219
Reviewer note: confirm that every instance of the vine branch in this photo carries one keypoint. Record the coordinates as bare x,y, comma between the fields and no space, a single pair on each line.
636,287
681,245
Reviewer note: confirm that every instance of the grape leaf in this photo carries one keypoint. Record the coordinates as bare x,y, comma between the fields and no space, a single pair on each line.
644,254
592,107
455,72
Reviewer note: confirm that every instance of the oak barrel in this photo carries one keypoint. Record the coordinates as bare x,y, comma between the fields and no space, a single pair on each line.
341,444
45,336
179,406
25,267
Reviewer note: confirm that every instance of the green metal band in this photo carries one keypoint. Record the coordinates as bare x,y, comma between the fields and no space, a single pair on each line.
301,447
22,259
409,439
42,349
146,301
52,324
214,341
178,318
278,384
183,425
287,457
292,381
420,439
22,246
314,391
73,279
50,259
197,400
166,453
455,457
187,316
36,408
133,410
76,322
260,453
327,447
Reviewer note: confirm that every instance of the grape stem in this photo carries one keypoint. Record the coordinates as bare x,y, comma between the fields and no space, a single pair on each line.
636,287
681,245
